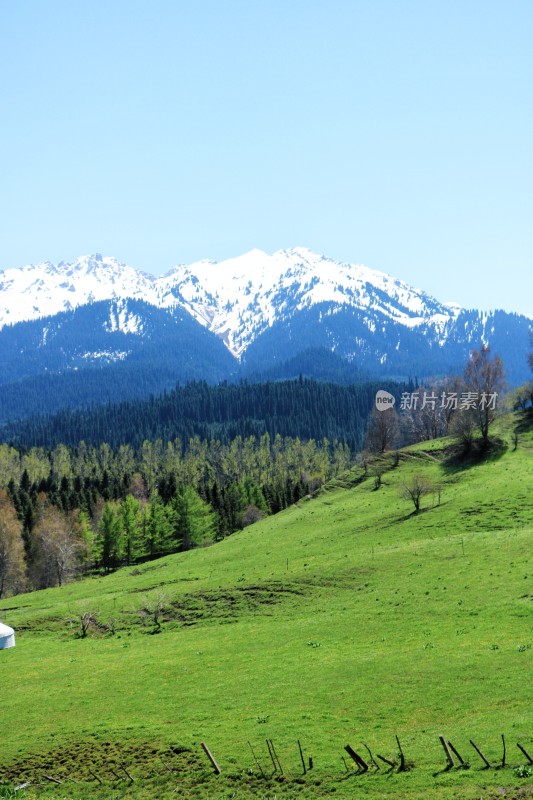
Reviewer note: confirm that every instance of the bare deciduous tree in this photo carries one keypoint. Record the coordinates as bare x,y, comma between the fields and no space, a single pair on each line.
12,565
87,621
250,515
415,490
462,428
153,609
362,460
430,417
378,475
383,430
55,546
484,377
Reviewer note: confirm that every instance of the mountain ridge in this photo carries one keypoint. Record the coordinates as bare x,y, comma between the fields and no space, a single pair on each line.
237,298
256,314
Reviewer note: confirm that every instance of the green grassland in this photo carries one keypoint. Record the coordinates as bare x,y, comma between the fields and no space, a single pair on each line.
346,619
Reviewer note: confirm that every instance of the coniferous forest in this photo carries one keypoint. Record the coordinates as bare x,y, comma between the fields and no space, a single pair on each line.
98,507
301,408
118,484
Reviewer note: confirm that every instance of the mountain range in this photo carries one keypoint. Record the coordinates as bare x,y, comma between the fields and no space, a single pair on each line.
96,329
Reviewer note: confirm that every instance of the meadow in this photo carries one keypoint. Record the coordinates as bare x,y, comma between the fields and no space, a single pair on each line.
346,619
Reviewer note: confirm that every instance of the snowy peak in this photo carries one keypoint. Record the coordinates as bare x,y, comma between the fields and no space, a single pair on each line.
238,299
241,297
265,308
46,289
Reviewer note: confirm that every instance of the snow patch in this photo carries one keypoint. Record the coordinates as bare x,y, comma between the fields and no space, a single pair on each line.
106,355
123,320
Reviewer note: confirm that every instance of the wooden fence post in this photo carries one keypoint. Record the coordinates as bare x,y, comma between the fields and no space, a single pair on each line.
276,757
456,753
480,754
302,757
524,751
361,763
256,759
402,767
211,758
449,757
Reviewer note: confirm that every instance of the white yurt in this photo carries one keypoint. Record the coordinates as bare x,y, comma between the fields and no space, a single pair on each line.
7,637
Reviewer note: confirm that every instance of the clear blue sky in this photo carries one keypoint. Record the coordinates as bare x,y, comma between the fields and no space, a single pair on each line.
394,133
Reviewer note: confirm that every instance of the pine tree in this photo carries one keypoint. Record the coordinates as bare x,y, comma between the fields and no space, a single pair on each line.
108,537
157,528
130,512
195,522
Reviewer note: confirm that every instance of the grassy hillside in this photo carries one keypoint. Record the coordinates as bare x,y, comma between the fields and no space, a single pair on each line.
345,619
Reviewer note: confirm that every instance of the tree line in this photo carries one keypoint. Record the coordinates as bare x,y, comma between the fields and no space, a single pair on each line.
301,408
87,506
460,406
70,509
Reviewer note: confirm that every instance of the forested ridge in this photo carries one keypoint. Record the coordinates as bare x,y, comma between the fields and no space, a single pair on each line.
70,509
301,408
121,483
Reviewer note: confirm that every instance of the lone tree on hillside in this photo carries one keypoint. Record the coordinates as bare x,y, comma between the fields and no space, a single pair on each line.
530,357
383,430
484,380
415,490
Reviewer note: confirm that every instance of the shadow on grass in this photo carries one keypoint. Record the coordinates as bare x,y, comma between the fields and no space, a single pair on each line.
411,515
462,456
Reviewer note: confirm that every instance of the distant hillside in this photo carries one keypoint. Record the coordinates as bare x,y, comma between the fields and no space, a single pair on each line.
257,316
317,363
303,408
381,346
104,352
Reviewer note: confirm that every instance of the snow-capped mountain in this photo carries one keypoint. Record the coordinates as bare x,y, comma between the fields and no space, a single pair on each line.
238,299
45,289
242,297
254,316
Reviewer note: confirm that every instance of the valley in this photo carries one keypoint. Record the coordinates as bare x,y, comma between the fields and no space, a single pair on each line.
345,619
